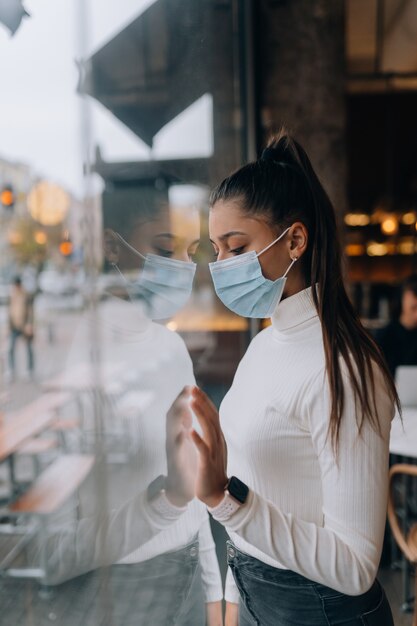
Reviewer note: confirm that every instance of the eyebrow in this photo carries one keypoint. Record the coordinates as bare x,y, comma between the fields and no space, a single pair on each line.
171,236
229,234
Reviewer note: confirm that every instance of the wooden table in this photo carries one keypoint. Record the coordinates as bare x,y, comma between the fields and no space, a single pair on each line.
25,423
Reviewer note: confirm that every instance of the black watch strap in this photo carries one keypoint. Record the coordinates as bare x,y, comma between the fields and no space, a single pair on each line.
155,487
237,489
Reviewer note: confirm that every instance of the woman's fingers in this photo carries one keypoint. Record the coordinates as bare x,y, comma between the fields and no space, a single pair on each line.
207,416
208,426
204,401
179,413
180,403
200,401
200,444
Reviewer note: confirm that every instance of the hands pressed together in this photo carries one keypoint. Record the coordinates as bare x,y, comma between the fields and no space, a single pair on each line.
196,463
197,467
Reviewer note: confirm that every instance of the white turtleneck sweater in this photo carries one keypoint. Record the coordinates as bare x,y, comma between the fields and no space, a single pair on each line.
128,531
307,512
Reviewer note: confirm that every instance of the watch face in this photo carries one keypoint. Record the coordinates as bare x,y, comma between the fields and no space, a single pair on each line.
237,489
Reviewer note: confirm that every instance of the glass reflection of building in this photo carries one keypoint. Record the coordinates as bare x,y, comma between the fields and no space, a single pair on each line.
256,65
178,52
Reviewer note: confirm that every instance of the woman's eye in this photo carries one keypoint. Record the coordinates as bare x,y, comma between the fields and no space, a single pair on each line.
193,253
237,250
163,252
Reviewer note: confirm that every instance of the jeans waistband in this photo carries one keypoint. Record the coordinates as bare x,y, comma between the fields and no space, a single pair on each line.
235,557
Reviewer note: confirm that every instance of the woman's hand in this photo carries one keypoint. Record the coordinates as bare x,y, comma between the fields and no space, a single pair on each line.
181,454
211,476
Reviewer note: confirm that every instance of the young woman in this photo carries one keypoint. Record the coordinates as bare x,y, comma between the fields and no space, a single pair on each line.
305,425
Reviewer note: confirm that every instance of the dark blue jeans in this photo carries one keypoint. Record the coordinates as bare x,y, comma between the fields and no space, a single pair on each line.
14,336
276,597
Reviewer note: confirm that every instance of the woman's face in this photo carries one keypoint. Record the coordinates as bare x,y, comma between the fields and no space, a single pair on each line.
233,232
174,234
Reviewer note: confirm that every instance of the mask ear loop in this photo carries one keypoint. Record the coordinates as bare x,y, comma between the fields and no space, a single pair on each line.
131,248
294,260
116,267
274,242
123,277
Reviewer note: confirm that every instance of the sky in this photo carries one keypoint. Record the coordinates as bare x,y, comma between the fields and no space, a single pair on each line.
39,106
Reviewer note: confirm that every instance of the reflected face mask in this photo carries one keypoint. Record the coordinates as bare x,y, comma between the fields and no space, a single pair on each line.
243,288
163,284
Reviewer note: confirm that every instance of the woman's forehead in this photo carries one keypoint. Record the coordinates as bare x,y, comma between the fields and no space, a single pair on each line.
185,222
228,216
176,223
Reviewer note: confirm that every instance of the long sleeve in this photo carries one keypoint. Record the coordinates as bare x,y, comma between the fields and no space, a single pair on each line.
344,551
98,541
210,571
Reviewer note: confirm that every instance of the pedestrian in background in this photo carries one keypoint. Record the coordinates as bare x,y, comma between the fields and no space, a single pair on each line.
398,340
21,325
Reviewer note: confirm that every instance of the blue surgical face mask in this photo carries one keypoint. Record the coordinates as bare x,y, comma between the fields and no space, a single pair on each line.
163,285
243,288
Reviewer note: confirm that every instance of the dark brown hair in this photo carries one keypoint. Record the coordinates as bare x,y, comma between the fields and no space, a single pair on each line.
283,186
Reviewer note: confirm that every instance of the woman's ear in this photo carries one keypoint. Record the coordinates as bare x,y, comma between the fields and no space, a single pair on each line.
111,246
298,240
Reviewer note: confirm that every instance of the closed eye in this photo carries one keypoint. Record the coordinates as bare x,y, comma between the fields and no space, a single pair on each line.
216,251
238,250
163,252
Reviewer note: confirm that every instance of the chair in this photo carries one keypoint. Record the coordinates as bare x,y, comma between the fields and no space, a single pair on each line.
406,539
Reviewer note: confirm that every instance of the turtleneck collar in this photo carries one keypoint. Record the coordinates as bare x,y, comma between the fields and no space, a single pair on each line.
124,317
294,311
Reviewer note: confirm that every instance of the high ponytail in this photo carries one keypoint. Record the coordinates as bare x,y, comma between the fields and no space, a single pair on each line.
283,187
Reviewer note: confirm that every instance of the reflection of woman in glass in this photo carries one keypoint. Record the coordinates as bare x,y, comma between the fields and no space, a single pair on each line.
166,575
307,419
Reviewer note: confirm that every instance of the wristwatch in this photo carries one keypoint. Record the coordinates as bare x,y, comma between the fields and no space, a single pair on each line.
237,490
156,487
235,495
158,500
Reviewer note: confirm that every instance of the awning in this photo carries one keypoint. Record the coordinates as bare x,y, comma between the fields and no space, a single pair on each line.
11,14
154,69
